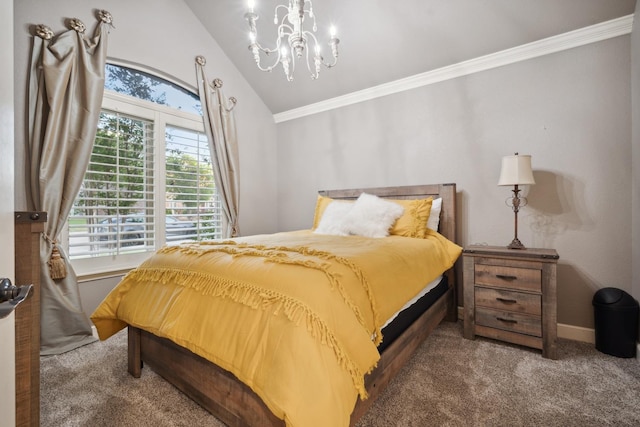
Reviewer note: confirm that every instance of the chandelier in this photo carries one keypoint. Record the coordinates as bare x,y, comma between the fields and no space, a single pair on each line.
293,42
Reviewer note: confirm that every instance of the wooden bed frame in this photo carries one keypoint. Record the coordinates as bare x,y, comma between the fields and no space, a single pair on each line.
235,404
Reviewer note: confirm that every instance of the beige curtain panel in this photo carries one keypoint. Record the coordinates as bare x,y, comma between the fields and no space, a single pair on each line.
66,85
220,127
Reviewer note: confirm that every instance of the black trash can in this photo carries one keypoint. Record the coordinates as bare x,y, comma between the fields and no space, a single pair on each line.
616,322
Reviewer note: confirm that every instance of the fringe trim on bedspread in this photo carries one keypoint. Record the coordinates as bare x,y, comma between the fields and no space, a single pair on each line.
277,254
260,298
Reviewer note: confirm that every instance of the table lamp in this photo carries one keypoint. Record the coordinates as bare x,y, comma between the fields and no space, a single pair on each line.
516,170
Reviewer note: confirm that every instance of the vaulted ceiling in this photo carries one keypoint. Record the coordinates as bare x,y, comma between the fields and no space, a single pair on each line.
383,40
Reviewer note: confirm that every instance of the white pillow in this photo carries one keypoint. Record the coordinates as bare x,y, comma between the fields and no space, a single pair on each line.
332,221
434,217
372,216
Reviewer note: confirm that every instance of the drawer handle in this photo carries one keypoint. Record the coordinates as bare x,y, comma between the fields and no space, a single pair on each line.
506,301
505,277
507,320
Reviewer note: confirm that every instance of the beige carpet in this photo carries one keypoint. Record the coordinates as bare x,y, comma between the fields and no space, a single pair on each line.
449,382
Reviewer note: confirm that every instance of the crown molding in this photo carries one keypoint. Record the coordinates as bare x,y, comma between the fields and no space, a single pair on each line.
581,37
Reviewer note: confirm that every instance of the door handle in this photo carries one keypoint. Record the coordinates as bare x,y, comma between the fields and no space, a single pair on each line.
11,296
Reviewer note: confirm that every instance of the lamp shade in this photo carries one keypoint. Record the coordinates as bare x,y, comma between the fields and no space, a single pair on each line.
516,170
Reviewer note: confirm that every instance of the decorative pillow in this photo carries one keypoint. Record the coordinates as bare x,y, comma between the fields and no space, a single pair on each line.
434,217
333,217
413,222
372,216
321,205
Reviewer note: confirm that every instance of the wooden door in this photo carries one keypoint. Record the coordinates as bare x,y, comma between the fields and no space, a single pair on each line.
28,234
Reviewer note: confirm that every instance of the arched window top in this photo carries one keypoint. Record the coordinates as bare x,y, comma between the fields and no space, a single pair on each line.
150,88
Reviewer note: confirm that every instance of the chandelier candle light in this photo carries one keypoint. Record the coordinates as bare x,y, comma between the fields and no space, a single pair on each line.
297,40
516,170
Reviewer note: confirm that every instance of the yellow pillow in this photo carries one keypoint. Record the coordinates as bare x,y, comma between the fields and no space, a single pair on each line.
413,222
321,205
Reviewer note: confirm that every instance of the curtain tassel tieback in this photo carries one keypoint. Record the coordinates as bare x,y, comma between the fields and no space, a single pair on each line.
57,267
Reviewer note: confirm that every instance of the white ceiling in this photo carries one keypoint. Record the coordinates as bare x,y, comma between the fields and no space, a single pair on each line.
383,40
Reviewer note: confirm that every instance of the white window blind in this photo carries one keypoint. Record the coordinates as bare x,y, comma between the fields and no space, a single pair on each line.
114,210
192,205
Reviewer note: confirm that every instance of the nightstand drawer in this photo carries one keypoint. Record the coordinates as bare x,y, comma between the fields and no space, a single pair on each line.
518,302
508,277
514,322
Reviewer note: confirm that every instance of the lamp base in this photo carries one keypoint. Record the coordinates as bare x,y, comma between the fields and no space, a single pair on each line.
516,244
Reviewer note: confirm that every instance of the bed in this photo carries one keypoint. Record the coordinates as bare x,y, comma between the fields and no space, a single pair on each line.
246,402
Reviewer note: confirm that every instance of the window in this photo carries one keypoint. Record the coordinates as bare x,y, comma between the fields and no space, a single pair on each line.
149,181
192,206
146,86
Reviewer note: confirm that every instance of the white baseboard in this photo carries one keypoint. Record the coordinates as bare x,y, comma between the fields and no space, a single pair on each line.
576,333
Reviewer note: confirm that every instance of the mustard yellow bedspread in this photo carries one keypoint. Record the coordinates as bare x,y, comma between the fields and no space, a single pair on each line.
292,314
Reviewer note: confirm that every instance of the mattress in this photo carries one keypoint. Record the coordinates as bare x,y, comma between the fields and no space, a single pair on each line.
402,319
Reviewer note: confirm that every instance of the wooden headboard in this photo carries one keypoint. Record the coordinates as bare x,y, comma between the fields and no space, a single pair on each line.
447,191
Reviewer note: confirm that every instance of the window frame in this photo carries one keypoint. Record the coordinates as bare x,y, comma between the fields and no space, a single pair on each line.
161,116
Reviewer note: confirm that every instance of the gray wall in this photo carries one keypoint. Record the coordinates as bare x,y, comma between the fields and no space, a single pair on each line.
635,156
569,110
7,266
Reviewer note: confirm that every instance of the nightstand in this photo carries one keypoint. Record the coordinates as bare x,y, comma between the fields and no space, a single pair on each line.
510,295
